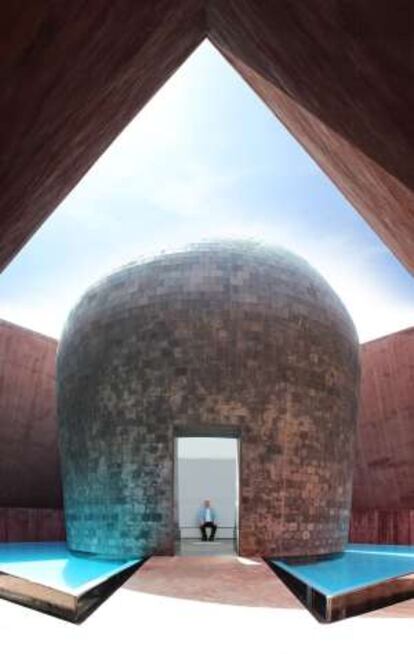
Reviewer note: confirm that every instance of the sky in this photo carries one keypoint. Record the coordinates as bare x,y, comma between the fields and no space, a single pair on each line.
204,159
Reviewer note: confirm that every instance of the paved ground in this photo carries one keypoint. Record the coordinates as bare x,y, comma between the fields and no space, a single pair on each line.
199,604
219,579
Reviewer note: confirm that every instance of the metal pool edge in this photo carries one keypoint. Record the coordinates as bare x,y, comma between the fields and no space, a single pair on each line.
332,608
73,608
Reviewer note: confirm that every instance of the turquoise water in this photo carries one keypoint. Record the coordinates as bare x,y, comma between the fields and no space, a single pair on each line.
358,566
53,565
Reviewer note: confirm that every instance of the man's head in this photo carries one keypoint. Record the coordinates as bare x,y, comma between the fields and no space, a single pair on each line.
207,503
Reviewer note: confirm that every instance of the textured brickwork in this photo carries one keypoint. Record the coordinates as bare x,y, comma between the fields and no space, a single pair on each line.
29,459
223,334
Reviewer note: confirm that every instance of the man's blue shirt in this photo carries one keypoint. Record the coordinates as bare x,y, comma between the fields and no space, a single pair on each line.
202,513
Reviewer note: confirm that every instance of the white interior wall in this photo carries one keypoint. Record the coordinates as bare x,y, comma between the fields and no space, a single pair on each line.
207,478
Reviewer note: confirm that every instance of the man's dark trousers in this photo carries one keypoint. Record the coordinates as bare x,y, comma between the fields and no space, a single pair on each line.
213,528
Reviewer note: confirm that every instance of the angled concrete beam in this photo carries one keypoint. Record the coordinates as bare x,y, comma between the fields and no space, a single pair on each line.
73,76
339,76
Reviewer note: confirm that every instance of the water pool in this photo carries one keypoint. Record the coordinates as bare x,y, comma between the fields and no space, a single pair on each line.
358,566
53,565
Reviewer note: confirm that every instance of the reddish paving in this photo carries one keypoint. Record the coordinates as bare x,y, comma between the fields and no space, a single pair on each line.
218,579
228,580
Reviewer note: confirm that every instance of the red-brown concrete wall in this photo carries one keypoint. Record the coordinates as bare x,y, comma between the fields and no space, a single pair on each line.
30,486
395,526
383,495
338,74
29,524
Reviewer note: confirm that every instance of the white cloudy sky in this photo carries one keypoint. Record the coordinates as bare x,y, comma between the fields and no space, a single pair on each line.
204,159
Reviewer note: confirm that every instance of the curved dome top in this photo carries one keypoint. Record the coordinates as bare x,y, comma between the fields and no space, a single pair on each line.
244,271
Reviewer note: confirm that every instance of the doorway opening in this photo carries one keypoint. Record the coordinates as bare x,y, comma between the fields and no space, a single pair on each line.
206,468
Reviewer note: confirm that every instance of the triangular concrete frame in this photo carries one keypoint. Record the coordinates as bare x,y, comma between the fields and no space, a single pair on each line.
338,74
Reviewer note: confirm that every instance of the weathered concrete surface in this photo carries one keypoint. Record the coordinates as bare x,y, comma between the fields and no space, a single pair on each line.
384,464
338,74
29,459
232,335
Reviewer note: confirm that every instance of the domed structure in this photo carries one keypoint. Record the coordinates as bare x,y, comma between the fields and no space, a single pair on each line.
226,337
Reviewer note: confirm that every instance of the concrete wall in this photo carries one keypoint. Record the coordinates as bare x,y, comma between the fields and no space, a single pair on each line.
338,75
213,479
229,335
29,459
392,526
30,485
19,524
384,465
383,493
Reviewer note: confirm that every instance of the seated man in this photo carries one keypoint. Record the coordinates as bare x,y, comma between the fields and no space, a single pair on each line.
207,518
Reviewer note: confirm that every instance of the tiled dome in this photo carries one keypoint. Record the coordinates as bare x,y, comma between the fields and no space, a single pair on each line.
222,335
